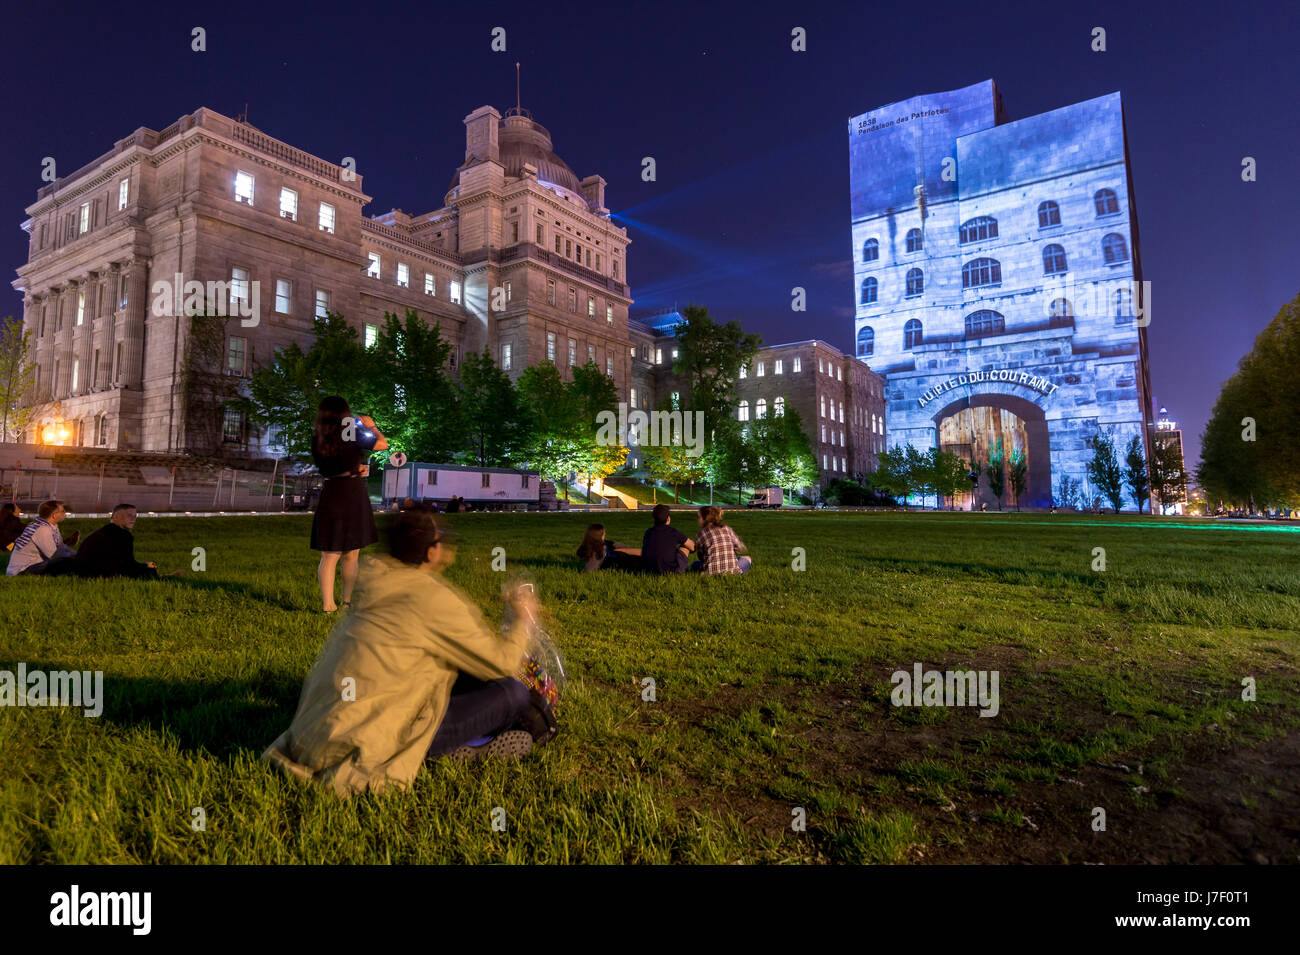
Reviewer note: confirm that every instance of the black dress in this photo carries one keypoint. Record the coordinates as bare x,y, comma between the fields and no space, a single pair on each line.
343,519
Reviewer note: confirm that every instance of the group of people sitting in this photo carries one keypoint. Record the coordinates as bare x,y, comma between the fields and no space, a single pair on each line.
666,550
38,547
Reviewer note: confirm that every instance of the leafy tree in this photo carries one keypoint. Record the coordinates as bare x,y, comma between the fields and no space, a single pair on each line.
1068,492
920,473
1018,473
974,470
555,439
1168,479
892,475
996,471
1135,472
1104,470
489,416
948,472
709,358
782,441
17,378
414,399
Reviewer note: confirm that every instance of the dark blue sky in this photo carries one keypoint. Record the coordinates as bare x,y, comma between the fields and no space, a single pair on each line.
750,138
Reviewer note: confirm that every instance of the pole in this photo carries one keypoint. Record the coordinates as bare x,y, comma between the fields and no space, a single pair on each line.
217,493
271,484
99,491
172,489
234,480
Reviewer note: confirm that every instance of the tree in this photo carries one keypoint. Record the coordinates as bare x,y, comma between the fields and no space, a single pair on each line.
780,439
892,475
1018,473
414,399
554,442
17,378
1104,470
919,470
1135,472
592,392
709,359
949,473
204,388
1068,492
488,413
1168,479
974,471
995,469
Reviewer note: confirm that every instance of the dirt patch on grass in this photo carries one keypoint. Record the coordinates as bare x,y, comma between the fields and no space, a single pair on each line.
1022,788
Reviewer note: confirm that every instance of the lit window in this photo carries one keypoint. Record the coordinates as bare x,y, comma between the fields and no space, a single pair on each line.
591,353
235,353
244,187
632,398
550,346
1049,214
866,341
778,408
912,334
823,414
573,351
81,307
796,365
760,408
609,367
674,354
455,293
823,434
76,372
283,296
979,272
1053,260
824,462
985,322
914,243
289,204
85,217
744,371
870,250
778,367
403,275
742,412
429,287
659,356
841,420
609,314
1061,312
870,290
123,193
239,285
325,219
507,356
372,335
915,281
322,303
509,292
1106,202
373,269
978,229
232,426
1114,248
759,370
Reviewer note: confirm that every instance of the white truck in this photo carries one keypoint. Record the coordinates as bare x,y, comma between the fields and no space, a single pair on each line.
484,488
766,497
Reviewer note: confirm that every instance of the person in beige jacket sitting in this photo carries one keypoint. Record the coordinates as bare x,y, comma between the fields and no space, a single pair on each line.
413,671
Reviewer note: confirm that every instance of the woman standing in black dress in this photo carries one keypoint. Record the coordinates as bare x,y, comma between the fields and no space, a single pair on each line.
344,522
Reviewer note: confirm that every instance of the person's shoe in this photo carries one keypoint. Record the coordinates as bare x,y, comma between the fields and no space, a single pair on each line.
512,743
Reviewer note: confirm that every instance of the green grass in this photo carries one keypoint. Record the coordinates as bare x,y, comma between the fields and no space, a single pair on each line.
773,693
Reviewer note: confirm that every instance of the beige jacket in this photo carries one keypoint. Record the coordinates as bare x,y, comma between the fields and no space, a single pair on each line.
404,642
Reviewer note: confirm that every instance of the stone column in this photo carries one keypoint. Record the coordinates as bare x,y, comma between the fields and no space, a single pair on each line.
133,320
85,336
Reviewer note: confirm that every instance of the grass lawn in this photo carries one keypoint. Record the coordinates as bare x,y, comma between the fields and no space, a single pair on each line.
1119,690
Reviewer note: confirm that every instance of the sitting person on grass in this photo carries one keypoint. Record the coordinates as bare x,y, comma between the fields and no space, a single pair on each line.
716,544
413,671
11,525
600,554
110,551
40,549
664,548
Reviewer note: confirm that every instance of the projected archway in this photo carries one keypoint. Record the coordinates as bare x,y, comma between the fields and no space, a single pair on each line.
972,427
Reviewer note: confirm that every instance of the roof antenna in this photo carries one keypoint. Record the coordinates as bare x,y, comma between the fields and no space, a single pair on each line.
243,117
519,106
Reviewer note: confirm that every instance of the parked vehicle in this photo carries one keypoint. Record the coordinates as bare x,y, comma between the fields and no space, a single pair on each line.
484,488
301,492
766,497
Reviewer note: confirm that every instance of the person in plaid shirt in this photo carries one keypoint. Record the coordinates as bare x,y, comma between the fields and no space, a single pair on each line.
716,544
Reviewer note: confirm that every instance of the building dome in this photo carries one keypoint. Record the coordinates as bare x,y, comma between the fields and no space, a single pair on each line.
523,140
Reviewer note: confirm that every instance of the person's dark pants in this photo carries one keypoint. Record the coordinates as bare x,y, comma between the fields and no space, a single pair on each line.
479,709
54,567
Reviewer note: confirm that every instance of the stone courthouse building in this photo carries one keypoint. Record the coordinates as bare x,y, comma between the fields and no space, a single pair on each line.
998,279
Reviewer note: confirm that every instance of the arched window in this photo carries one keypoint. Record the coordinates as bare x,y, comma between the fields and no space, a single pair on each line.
912,336
979,272
915,282
1049,214
869,288
1114,248
866,341
1123,306
1053,260
760,408
778,407
985,322
913,240
978,229
1061,312
1106,202
742,412
870,250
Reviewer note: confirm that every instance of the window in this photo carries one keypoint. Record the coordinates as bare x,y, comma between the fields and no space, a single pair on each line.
675,401
866,341
978,229
244,187
588,262
236,349
550,346
372,335
430,287
869,290
796,365
823,413
742,411
778,407
1061,312
232,426
573,352
632,398
760,370
1106,202
123,193
239,285
591,353
597,262
778,367
557,243
760,408
81,306
1053,260
550,292
591,306
573,299
1123,306
541,235
523,480
979,272
509,291
1049,214
487,479
578,254
609,314
915,282
744,371
870,250
823,434
568,248
912,336
322,303
609,367
659,356
289,205
839,373
283,296
1114,248
914,242
514,232
615,268
823,462
985,322
84,221
76,373
375,265
507,357
325,218
455,293
403,275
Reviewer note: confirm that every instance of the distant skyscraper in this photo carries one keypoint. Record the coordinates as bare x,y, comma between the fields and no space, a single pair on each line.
997,279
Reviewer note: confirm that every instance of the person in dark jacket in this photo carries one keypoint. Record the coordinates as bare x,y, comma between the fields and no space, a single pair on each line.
11,525
110,551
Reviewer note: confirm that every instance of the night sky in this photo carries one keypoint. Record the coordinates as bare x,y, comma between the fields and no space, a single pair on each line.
750,138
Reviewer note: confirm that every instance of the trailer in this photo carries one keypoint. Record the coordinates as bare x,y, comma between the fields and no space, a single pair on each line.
484,488
766,497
